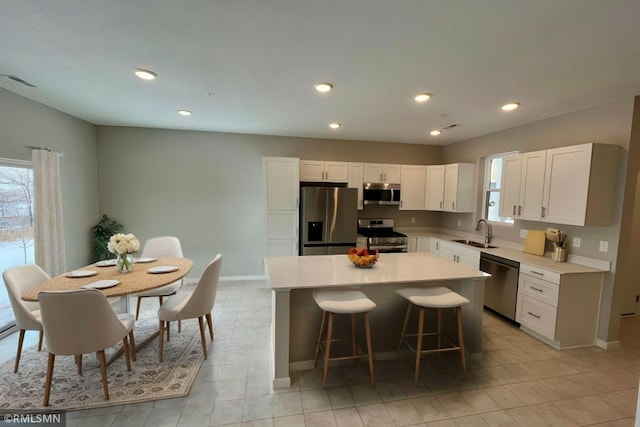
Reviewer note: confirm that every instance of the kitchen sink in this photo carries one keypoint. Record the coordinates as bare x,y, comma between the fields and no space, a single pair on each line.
474,244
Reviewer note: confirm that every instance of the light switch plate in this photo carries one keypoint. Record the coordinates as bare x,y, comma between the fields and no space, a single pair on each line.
459,223
576,242
604,246
413,220
523,233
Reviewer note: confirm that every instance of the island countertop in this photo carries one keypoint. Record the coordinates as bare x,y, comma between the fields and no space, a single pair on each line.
321,271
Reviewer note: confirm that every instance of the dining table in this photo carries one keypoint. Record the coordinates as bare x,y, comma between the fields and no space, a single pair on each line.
146,274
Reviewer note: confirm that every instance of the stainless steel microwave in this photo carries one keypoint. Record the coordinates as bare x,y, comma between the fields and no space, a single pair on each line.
377,193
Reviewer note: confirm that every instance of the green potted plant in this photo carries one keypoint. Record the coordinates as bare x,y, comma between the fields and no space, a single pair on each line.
102,232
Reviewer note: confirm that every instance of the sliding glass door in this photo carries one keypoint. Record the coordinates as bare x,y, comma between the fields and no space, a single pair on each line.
16,226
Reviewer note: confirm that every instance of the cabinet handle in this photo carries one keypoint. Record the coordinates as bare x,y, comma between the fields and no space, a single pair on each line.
453,206
538,273
536,289
297,201
533,314
400,203
544,211
519,210
441,204
437,245
514,209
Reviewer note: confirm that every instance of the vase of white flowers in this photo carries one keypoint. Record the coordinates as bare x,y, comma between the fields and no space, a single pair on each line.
124,245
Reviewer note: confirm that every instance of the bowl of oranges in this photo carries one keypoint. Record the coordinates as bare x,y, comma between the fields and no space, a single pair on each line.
362,258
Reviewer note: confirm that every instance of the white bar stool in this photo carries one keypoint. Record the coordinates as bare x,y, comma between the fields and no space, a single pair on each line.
342,302
438,298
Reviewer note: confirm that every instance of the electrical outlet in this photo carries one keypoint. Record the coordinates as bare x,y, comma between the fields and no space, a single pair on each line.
576,242
604,246
413,220
459,223
523,233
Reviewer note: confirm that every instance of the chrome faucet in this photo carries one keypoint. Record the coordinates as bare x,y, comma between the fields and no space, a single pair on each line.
487,236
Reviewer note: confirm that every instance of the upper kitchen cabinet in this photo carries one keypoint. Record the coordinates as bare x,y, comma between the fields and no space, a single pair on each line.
356,179
434,194
579,184
458,187
522,185
412,187
283,192
378,172
321,171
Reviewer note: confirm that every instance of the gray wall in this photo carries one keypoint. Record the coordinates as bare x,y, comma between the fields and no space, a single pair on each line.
27,123
207,188
609,124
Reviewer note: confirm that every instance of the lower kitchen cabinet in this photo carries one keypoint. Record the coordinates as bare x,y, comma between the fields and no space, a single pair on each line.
560,309
458,253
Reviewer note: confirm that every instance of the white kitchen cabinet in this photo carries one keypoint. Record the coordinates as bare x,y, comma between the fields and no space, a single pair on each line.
282,192
423,244
356,180
579,184
458,187
323,171
434,245
412,187
434,192
412,244
522,185
458,253
379,172
560,309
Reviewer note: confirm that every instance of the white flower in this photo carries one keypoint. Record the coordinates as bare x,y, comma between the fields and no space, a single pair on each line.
123,244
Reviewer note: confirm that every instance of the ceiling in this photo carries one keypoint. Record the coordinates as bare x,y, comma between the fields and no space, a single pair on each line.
260,59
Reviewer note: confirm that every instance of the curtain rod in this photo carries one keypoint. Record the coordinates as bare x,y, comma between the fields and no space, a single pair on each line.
45,149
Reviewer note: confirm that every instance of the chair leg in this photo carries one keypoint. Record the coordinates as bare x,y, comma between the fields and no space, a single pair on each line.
404,329
315,360
138,307
353,338
40,336
367,331
103,372
419,345
327,350
168,331
161,300
127,356
78,358
180,326
20,341
161,339
204,343
209,324
439,314
461,341
47,381
132,342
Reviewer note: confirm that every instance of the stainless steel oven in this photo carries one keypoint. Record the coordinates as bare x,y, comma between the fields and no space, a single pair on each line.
501,289
381,237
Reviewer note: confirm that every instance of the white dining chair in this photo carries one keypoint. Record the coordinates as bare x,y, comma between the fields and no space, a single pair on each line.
18,280
82,321
165,246
193,304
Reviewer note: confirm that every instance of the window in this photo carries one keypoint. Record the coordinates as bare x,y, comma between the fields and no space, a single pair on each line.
492,189
16,226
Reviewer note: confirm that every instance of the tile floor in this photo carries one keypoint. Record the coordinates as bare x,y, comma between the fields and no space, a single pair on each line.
518,381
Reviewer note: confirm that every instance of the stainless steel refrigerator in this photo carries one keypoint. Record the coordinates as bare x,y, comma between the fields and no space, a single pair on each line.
328,220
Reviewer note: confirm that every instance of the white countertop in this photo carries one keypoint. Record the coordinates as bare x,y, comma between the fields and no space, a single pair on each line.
298,272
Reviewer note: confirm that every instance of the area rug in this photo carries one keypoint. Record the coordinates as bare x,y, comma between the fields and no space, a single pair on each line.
148,379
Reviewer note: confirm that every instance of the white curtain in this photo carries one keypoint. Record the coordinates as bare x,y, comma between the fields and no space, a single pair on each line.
48,229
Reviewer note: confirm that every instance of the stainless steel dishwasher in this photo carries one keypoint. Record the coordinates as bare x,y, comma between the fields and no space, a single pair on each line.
501,289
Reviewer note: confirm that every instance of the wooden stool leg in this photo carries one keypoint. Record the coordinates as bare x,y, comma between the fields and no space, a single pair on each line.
461,341
354,350
315,360
404,329
47,382
439,311
419,345
369,350
327,351
20,341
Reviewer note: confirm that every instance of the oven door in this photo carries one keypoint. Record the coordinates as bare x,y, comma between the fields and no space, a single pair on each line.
389,249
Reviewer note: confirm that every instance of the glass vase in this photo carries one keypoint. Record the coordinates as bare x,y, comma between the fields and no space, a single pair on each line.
125,263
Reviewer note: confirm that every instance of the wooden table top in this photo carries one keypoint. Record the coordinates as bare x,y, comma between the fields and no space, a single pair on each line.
137,280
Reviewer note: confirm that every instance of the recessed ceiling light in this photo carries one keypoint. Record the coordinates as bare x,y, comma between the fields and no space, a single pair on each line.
335,125
145,74
323,87
184,112
510,106
435,132
422,97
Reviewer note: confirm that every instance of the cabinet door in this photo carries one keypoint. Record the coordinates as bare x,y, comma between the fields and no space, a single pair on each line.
281,177
447,252
282,224
282,248
412,187
450,187
510,186
411,244
311,170
373,172
532,185
391,174
423,244
336,171
458,187
566,184
435,188
356,179
434,246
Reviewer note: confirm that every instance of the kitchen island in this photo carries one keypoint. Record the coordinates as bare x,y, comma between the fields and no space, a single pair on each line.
296,319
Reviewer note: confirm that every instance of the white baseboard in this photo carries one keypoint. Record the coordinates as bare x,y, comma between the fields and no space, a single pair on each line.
284,382
254,278
607,345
